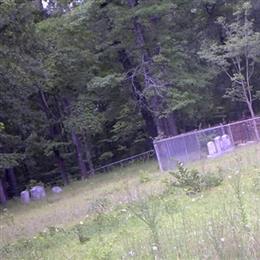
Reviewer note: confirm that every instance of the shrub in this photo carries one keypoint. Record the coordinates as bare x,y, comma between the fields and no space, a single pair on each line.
194,181
212,179
185,178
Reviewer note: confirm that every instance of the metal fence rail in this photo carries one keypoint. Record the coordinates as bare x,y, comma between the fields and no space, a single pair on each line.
56,179
205,143
124,162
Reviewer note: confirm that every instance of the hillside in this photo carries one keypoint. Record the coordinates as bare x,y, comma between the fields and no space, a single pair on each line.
139,213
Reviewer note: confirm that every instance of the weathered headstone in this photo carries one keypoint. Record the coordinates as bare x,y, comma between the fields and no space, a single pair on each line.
38,192
25,197
211,148
56,189
226,143
217,141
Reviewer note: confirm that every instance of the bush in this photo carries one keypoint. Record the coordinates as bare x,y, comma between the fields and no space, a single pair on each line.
212,179
194,181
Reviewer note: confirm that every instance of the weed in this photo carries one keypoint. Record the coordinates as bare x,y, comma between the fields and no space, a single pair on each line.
148,212
144,177
193,181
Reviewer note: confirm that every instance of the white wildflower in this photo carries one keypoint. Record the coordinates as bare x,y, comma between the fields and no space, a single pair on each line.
154,248
131,253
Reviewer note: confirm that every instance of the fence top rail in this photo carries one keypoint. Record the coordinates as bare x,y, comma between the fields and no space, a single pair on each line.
203,130
244,121
124,160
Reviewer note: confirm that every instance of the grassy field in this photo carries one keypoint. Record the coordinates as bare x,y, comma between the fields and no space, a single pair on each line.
137,213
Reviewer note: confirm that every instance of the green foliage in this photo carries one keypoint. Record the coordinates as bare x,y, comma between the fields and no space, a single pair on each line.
9,160
2,127
240,51
194,181
189,179
114,74
212,221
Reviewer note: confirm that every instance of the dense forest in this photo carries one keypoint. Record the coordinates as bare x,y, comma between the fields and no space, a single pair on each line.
85,83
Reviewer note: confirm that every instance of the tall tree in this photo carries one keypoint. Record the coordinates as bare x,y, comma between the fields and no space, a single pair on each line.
237,57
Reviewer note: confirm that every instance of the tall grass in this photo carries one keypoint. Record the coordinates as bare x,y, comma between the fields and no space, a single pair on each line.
159,220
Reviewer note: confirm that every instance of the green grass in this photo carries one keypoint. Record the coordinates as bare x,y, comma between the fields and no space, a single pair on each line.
136,213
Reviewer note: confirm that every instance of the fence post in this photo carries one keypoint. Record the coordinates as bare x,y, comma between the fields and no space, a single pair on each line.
198,142
231,134
158,156
186,150
222,129
169,157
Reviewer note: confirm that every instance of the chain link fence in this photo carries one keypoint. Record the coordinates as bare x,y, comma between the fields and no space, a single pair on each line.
56,179
206,143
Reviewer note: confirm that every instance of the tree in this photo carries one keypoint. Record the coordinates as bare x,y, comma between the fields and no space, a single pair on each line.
237,57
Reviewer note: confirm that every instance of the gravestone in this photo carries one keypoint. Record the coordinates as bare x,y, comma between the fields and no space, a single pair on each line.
56,189
226,143
38,192
211,149
217,141
25,197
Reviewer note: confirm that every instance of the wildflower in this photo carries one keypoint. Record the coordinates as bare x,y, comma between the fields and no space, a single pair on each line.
123,210
154,248
81,222
222,239
131,253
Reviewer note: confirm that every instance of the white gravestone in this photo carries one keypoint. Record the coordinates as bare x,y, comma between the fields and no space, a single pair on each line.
56,189
25,197
38,192
226,143
217,141
211,149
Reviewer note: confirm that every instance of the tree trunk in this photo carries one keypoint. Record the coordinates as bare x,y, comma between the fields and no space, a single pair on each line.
88,155
3,198
136,87
12,181
252,113
81,163
63,172
89,161
55,129
165,126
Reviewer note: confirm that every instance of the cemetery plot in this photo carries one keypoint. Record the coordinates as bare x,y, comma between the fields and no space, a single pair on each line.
206,143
